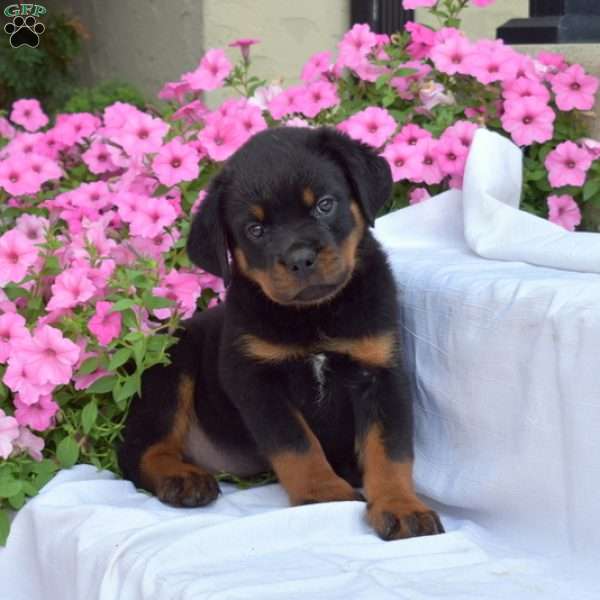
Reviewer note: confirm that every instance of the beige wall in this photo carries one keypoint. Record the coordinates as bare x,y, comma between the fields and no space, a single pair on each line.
290,30
483,22
148,42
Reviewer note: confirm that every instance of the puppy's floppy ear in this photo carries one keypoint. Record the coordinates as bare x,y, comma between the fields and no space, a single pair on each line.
207,240
369,175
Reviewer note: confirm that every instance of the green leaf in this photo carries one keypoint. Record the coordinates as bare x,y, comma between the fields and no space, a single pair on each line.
128,389
590,189
17,500
153,302
14,291
88,366
122,304
89,415
102,385
120,357
161,190
4,527
67,452
9,486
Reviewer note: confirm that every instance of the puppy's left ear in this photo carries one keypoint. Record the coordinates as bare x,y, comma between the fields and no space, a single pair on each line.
207,241
368,174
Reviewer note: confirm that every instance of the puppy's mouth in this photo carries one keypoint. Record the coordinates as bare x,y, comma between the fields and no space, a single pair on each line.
313,293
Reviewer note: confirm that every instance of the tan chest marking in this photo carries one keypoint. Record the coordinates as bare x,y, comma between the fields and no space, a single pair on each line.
375,350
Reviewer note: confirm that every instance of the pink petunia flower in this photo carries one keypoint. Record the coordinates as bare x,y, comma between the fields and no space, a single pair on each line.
575,89
76,127
451,155
50,355
409,4
183,288
492,61
38,416
29,114
251,120
426,150
175,90
103,158
16,178
141,134
212,71
21,376
316,65
403,162
42,168
192,112
356,45
176,162
410,134
105,325
7,131
286,102
244,45
522,87
563,211
35,228
70,288
463,130
422,40
483,3
372,126
417,195
263,95
318,96
17,256
528,120
151,218
450,56
567,164
12,333
9,432
222,138
592,146
30,443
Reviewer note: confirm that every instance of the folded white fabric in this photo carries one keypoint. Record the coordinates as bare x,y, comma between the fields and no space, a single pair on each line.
496,228
91,537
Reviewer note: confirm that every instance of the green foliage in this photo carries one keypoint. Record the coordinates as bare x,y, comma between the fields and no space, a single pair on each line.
95,99
45,72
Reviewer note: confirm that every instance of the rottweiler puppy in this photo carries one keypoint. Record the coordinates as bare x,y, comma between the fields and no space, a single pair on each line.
300,369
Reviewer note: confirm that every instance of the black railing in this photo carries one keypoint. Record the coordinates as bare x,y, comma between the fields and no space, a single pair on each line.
383,16
555,22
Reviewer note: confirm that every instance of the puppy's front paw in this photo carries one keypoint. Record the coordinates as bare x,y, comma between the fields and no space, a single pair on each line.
188,489
395,519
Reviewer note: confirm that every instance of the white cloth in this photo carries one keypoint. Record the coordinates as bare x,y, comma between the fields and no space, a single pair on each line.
505,357
495,228
89,536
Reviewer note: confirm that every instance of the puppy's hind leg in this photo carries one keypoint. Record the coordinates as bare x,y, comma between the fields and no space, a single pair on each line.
152,453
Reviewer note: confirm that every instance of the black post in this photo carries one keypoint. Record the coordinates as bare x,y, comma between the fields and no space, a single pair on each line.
383,16
555,22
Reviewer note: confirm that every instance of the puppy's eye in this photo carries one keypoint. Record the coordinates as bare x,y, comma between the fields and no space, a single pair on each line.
255,230
325,205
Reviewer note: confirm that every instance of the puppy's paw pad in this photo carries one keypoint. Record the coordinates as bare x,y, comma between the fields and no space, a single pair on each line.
189,490
395,525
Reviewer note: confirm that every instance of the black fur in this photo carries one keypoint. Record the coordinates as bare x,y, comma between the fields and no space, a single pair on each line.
246,405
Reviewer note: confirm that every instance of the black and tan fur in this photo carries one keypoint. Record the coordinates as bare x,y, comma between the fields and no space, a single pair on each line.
300,370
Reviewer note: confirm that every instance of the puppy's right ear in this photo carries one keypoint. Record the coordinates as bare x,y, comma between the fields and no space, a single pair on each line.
207,241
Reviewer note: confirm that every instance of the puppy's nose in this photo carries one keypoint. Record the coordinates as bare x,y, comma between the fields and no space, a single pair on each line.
300,261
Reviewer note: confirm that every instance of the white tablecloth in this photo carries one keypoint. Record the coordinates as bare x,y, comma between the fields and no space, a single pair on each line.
507,387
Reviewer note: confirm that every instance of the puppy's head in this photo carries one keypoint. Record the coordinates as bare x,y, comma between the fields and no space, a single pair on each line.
291,206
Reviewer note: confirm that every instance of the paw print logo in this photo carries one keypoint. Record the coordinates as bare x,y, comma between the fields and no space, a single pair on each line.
24,32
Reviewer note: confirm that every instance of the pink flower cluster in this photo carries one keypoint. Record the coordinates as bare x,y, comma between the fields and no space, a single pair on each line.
128,211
